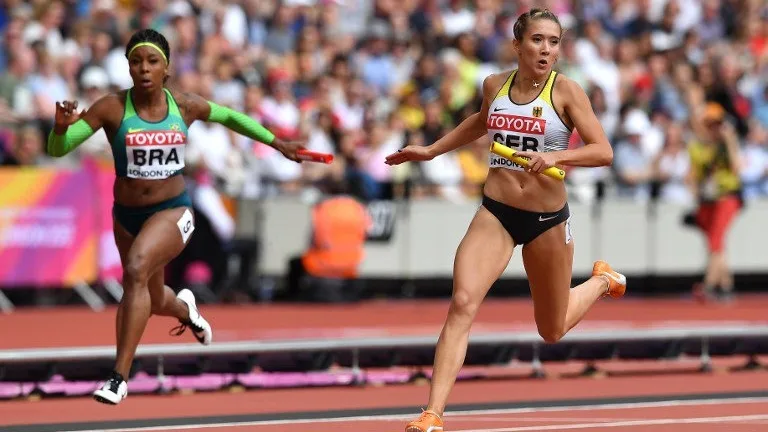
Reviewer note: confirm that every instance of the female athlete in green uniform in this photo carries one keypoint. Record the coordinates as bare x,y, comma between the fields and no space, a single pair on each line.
153,221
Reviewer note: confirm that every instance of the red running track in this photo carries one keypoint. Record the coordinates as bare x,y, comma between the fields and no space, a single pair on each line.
77,326
63,327
705,415
739,417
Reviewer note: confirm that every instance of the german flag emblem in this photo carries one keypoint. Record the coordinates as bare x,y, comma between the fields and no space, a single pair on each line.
537,111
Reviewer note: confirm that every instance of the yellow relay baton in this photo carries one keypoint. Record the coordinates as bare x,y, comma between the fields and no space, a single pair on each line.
508,153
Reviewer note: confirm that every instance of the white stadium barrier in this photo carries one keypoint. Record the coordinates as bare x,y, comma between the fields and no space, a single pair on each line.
635,239
484,348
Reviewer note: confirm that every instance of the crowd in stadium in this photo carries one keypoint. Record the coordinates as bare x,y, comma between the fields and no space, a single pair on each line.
362,78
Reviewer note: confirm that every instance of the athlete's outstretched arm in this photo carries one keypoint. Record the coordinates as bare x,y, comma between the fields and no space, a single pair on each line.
70,128
472,128
198,108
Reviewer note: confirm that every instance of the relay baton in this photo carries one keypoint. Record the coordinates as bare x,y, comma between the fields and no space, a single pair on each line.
508,153
312,156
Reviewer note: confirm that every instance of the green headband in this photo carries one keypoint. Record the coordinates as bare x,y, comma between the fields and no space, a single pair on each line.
149,44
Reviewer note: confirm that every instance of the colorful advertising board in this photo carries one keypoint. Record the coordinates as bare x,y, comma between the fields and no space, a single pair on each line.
47,227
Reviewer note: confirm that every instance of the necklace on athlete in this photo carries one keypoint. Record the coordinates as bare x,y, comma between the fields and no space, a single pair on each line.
535,84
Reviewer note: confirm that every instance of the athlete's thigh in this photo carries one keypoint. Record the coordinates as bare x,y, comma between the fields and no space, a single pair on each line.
548,262
162,237
482,256
123,240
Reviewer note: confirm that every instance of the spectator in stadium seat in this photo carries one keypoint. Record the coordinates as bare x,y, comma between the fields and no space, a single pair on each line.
94,83
26,148
671,167
47,86
456,18
404,56
725,92
426,77
376,141
279,111
15,94
281,39
583,183
412,109
213,146
309,44
675,101
185,41
348,105
375,62
105,21
632,164
46,26
568,64
712,27
319,129
608,119
98,47
759,101
445,174
227,89
754,176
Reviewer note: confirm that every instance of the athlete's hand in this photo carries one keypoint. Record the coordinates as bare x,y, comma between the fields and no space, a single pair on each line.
66,114
289,148
537,162
409,153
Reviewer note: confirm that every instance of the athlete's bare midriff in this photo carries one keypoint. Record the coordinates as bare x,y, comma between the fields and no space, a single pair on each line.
139,193
525,191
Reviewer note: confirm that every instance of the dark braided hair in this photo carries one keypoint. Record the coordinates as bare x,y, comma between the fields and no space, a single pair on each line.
521,25
149,35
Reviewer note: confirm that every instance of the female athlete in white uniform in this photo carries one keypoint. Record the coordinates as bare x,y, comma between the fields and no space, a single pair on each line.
533,110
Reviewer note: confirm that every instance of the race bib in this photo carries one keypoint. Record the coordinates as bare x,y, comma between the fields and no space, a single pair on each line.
518,132
186,225
154,154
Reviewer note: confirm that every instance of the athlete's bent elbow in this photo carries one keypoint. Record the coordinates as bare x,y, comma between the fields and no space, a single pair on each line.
607,157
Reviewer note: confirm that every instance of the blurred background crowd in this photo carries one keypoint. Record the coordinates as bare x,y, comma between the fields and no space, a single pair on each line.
362,78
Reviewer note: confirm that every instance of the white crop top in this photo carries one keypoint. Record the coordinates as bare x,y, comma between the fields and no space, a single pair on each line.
531,127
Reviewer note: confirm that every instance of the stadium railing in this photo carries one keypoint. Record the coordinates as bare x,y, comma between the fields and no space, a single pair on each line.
357,357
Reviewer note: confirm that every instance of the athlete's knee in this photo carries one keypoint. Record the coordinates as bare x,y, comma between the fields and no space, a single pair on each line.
551,334
136,269
464,304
